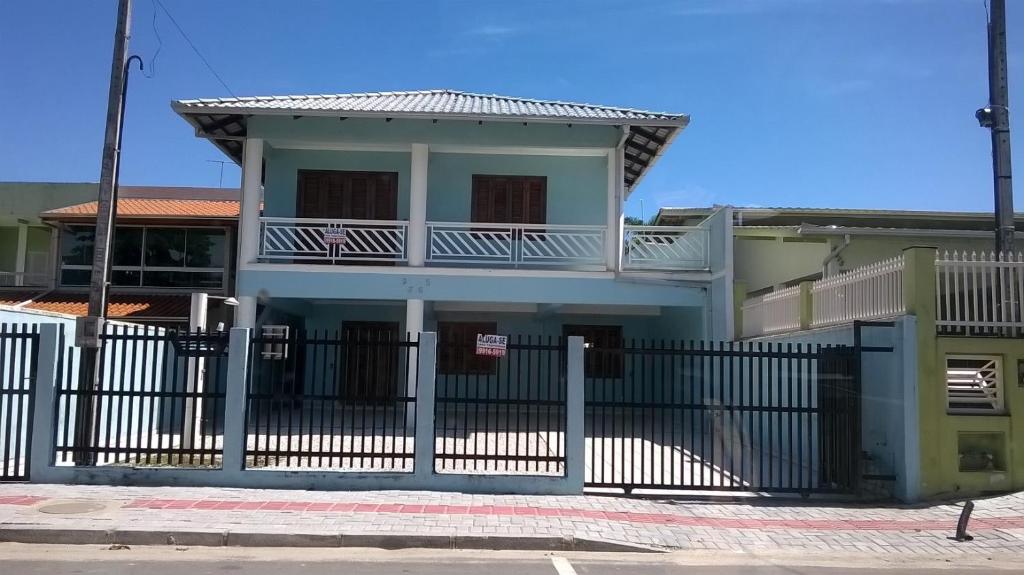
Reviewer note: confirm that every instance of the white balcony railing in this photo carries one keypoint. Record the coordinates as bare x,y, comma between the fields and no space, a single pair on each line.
980,294
515,244
775,312
315,240
868,292
324,240
665,247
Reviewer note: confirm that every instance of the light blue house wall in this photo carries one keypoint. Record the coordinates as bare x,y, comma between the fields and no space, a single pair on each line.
283,166
577,187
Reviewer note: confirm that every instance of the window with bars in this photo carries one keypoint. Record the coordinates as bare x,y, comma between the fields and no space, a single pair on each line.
602,357
974,384
456,348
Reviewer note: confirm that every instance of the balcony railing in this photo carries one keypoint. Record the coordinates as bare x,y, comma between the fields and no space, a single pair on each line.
332,241
515,244
25,279
339,241
665,247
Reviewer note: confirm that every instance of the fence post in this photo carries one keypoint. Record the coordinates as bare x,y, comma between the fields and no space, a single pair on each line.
44,390
236,399
806,305
919,300
423,459
919,284
575,441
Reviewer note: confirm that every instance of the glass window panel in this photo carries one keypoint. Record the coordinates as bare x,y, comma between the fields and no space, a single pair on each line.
184,279
165,247
126,277
74,277
204,248
128,247
76,245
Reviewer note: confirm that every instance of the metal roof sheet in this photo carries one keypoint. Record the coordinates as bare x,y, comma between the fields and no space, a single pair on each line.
225,120
431,103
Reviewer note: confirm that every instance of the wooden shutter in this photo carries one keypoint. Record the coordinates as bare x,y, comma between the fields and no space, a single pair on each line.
347,195
509,199
603,356
456,348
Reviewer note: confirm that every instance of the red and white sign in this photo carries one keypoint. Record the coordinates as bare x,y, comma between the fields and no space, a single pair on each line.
491,345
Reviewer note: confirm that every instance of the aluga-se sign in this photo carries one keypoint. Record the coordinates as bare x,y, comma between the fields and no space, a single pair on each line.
335,236
491,345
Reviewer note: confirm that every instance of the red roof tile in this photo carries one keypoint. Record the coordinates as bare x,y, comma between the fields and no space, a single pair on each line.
121,306
154,208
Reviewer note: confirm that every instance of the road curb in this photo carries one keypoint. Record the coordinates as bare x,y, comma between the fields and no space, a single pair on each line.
227,538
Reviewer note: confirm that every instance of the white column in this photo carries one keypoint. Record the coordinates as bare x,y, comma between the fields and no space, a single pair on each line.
19,262
249,225
416,242
610,246
413,326
192,414
252,188
245,311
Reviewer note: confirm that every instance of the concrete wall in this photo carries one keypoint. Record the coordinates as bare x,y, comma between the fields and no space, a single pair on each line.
25,200
941,475
765,261
8,248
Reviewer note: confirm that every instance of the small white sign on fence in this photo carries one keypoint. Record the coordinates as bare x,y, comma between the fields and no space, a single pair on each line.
335,236
491,345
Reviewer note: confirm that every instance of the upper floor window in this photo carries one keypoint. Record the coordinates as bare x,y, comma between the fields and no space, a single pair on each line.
146,256
510,199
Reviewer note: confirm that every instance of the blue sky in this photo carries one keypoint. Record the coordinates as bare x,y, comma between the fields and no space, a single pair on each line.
832,103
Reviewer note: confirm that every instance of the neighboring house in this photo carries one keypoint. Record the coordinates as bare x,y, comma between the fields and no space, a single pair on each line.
779,247
169,242
26,242
943,387
459,213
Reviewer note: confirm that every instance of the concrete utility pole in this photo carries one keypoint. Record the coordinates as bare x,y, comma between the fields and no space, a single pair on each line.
89,328
996,116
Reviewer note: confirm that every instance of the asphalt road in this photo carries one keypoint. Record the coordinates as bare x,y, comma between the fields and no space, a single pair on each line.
87,560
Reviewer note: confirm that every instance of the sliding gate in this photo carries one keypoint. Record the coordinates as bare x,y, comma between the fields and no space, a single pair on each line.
725,416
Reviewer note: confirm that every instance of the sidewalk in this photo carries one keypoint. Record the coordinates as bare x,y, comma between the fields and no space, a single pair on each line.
395,519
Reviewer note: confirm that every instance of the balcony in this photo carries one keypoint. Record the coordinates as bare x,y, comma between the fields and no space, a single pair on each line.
480,245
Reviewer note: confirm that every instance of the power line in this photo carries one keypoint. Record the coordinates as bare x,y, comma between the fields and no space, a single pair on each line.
194,48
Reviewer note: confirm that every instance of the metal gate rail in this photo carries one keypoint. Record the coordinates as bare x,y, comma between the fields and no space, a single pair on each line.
722,416
19,361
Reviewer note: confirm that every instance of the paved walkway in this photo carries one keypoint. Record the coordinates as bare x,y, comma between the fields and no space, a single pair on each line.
454,519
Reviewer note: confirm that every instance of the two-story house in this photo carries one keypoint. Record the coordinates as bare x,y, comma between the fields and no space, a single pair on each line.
459,213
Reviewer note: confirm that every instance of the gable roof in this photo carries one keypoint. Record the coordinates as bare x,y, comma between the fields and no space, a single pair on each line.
224,120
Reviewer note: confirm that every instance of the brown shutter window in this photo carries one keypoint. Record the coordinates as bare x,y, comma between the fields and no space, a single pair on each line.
603,353
509,199
456,348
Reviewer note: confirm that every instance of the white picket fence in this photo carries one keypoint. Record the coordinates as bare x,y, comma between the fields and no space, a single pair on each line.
980,294
868,292
775,312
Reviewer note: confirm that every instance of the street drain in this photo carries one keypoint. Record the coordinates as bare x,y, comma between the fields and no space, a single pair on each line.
72,507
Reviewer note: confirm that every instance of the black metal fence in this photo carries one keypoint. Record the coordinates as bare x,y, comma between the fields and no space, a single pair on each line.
501,414
19,361
343,400
157,399
722,416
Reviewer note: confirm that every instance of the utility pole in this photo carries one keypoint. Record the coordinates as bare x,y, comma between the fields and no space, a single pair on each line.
996,116
89,328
